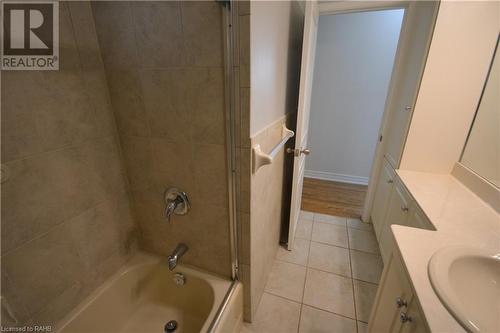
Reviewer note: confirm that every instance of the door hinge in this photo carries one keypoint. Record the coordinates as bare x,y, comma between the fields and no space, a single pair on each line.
380,138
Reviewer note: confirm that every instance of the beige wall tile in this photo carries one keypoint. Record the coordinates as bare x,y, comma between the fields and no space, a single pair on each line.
138,159
244,239
245,279
159,33
244,43
173,166
170,113
208,108
66,221
115,31
69,58
21,133
167,97
96,88
62,91
244,7
44,268
16,303
210,174
85,34
245,117
202,28
362,327
127,99
42,192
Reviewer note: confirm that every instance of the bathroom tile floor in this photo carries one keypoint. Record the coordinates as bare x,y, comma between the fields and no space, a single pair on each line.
327,283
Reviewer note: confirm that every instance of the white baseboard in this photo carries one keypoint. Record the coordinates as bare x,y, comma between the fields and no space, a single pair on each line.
336,177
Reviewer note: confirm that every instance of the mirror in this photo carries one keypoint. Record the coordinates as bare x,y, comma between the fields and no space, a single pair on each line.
481,153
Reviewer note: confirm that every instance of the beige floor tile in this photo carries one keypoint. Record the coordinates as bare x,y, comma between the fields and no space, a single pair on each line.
363,240
362,327
329,292
366,266
365,295
330,234
318,321
337,220
329,258
274,315
305,215
358,224
304,229
286,280
298,255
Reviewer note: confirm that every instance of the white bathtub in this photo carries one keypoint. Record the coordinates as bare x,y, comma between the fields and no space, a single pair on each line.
143,297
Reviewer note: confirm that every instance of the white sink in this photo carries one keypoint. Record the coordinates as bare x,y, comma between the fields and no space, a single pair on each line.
467,281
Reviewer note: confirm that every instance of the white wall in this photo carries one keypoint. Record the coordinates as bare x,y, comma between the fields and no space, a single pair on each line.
459,57
274,41
353,66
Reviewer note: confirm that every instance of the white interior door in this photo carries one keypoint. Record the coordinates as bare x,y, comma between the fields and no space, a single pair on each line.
306,80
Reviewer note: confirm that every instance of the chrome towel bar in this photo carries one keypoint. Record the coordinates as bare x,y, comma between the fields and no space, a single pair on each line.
259,158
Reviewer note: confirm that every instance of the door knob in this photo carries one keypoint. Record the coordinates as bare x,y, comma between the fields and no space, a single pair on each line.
298,152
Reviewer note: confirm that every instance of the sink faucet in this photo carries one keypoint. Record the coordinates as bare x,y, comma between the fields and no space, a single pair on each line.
179,251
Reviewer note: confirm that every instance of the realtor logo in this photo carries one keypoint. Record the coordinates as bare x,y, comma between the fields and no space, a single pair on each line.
30,35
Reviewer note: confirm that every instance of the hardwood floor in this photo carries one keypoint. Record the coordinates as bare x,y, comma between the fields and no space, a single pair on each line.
333,198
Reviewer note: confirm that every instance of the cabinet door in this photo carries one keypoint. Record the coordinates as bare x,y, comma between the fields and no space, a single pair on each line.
412,54
382,196
397,213
417,218
414,321
385,316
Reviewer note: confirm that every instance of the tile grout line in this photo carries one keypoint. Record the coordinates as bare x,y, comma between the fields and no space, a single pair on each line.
304,286
352,282
311,306
328,272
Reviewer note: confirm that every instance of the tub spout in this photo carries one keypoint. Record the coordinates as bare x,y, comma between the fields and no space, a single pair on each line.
179,251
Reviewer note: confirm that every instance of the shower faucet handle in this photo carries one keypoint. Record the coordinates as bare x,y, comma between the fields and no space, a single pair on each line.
177,202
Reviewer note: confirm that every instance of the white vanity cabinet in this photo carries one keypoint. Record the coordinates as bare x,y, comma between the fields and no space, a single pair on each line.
397,213
382,196
402,209
396,307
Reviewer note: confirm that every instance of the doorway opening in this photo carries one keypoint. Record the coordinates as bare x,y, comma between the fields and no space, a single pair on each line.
355,56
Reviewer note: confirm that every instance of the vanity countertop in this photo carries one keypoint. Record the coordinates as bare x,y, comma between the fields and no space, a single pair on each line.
460,218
